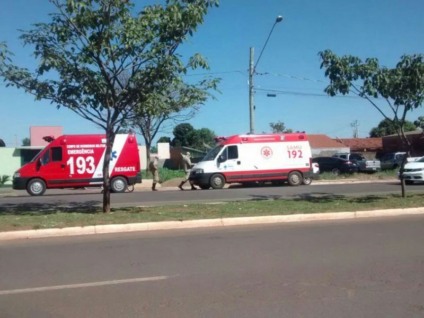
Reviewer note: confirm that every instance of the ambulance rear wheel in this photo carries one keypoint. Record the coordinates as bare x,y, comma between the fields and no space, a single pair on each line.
36,187
217,181
118,185
295,178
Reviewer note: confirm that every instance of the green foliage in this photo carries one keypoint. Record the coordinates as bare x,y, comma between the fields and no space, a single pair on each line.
26,142
401,87
164,139
419,122
164,174
4,179
386,127
279,127
182,133
186,136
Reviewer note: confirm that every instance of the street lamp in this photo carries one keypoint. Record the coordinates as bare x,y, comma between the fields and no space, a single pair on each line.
252,70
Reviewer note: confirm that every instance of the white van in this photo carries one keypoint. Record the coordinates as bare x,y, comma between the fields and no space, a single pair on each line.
255,158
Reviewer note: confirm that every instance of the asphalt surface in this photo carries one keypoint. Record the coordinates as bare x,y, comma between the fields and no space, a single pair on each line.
364,268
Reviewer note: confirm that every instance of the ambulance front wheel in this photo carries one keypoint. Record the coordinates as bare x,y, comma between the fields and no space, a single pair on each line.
217,181
36,187
295,178
118,185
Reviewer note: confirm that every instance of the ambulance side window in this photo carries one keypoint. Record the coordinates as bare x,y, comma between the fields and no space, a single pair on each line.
56,153
232,152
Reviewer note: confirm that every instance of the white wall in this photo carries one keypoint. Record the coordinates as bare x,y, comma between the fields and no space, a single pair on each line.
10,161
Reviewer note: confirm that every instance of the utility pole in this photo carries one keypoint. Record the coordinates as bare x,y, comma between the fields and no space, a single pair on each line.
355,126
252,70
251,92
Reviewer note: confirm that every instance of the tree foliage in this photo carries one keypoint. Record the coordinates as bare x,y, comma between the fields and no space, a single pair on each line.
386,128
419,123
394,92
101,61
279,127
186,136
164,139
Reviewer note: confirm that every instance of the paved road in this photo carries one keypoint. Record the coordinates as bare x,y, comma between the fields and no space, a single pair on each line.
364,268
90,197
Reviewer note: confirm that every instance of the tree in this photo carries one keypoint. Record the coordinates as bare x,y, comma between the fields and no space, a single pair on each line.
164,139
203,139
91,45
386,127
2,144
172,105
279,127
186,136
419,123
182,135
26,142
392,92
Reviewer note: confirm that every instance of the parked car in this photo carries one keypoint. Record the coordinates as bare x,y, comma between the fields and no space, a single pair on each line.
413,171
364,165
315,174
392,160
335,165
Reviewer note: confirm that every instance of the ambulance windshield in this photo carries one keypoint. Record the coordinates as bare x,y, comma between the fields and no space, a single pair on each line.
211,155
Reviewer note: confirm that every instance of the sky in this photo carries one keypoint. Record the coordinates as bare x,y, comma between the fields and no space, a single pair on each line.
289,66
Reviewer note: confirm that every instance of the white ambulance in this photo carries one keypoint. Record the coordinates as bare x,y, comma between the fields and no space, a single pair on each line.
255,158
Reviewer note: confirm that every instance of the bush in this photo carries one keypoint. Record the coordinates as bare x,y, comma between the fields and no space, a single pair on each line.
4,179
164,174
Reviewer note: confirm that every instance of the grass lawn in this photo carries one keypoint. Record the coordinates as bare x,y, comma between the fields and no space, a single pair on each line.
25,218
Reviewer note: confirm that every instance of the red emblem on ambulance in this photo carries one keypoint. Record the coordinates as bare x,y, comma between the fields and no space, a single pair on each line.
266,152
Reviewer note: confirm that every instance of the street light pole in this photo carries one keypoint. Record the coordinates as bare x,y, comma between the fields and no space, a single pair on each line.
252,70
251,99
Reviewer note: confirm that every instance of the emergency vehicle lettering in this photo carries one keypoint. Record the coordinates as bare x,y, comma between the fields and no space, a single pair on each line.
82,164
294,151
80,151
124,169
118,145
294,154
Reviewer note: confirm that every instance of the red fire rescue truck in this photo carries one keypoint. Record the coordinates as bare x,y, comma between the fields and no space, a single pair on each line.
76,161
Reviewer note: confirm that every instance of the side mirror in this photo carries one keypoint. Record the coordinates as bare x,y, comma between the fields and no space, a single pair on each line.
221,158
38,165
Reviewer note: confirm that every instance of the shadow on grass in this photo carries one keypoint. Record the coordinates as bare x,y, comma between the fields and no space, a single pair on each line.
319,198
89,207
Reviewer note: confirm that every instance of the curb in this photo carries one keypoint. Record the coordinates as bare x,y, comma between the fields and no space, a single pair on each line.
223,222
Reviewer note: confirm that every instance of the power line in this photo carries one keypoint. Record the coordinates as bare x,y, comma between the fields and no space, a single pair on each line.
303,94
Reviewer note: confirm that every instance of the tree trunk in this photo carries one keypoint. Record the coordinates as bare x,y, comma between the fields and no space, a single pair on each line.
110,136
402,180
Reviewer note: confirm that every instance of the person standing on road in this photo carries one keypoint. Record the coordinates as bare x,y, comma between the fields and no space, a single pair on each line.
187,169
153,167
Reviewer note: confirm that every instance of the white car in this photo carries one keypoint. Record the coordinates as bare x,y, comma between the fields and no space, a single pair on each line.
414,171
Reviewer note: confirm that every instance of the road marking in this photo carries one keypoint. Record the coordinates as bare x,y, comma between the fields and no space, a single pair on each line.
95,284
